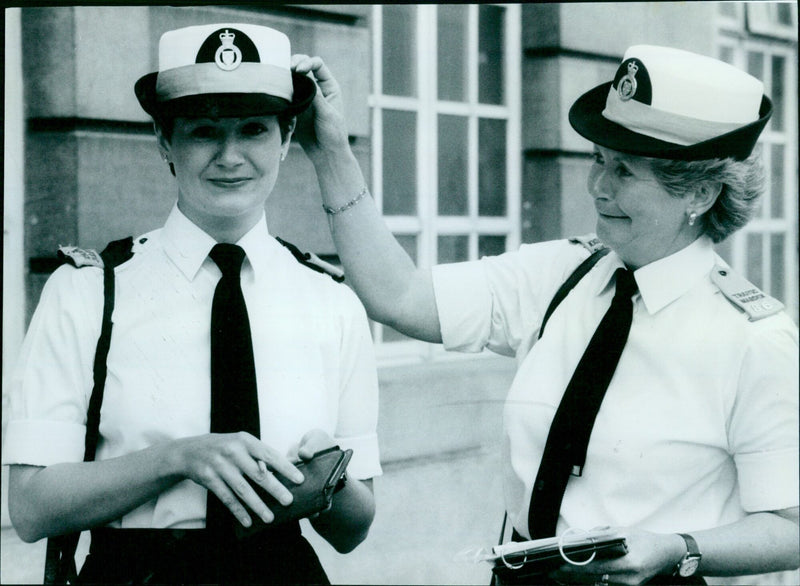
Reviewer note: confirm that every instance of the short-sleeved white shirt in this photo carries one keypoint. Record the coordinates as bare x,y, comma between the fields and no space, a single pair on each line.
315,365
699,425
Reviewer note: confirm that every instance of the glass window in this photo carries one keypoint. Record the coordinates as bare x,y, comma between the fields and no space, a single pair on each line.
777,254
492,167
452,157
399,163
755,64
755,265
491,64
453,248
491,245
399,43
777,91
777,181
451,50
446,158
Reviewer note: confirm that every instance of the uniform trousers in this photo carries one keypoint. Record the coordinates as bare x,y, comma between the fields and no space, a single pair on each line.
278,555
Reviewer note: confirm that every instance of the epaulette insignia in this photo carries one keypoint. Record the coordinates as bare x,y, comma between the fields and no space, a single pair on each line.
312,261
744,295
590,242
80,257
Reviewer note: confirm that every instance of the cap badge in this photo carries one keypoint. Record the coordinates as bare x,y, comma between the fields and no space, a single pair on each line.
228,57
627,85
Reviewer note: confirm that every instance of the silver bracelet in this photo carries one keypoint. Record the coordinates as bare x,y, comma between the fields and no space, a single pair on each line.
348,205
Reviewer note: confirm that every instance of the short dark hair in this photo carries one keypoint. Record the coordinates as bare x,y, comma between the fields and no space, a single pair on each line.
742,187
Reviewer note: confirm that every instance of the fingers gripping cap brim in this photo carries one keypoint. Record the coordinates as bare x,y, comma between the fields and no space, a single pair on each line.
220,105
586,118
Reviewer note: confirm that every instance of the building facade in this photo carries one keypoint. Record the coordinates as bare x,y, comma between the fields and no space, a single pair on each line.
458,115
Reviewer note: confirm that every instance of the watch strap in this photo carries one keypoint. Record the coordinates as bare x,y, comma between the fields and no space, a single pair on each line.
691,544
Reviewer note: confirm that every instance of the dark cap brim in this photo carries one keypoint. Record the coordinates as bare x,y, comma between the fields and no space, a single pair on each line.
225,105
587,119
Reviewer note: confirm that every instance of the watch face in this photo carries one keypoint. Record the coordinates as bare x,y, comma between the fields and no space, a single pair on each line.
689,567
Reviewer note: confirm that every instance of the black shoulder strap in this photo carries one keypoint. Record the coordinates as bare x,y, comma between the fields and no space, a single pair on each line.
567,286
59,566
571,281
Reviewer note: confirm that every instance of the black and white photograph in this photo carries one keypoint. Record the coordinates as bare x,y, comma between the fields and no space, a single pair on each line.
440,293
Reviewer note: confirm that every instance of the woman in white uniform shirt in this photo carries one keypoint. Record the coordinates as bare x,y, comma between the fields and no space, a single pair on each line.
224,103
697,433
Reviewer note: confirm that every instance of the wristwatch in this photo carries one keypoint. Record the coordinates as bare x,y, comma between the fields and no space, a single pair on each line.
691,559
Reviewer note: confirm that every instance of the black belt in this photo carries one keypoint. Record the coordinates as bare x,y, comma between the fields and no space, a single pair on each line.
141,556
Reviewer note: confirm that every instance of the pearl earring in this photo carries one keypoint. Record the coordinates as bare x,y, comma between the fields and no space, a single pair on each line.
692,218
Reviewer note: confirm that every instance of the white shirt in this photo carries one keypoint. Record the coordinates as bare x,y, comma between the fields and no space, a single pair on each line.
313,352
699,425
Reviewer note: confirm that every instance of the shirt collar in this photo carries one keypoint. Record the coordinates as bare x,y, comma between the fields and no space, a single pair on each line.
187,245
663,281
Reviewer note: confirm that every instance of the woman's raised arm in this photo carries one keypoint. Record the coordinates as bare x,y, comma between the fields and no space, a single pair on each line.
393,290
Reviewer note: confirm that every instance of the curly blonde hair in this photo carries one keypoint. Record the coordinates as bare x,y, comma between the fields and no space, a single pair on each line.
742,187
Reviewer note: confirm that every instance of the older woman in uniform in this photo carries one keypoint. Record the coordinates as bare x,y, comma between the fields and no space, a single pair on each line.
291,375
691,371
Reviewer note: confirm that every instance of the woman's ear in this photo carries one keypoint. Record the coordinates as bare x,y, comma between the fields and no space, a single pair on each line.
287,137
705,196
163,143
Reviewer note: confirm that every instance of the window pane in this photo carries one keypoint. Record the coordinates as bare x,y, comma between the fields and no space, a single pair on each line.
491,245
777,178
452,52
491,36
399,163
453,248
777,95
409,244
755,270
777,251
784,13
399,43
755,64
726,54
491,167
452,165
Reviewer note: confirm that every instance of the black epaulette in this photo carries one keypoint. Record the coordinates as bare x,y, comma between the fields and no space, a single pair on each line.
115,253
312,261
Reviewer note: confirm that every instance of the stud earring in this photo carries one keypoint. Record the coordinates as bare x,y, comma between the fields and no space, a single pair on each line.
283,156
164,157
692,218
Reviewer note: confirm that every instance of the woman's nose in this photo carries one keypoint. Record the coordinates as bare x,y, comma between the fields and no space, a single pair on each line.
229,153
599,183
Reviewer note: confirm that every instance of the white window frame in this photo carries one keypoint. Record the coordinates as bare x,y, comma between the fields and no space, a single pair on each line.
427,225
740,45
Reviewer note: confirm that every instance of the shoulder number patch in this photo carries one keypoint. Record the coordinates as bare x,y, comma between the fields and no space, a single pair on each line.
744,295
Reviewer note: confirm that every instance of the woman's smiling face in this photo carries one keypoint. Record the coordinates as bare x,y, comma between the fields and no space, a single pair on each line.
636,216
225,167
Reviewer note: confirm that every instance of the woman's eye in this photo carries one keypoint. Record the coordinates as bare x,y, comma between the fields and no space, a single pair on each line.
202,132
597,158
253,129
622,171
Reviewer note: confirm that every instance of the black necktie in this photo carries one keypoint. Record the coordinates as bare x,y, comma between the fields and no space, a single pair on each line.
565,450
234,399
